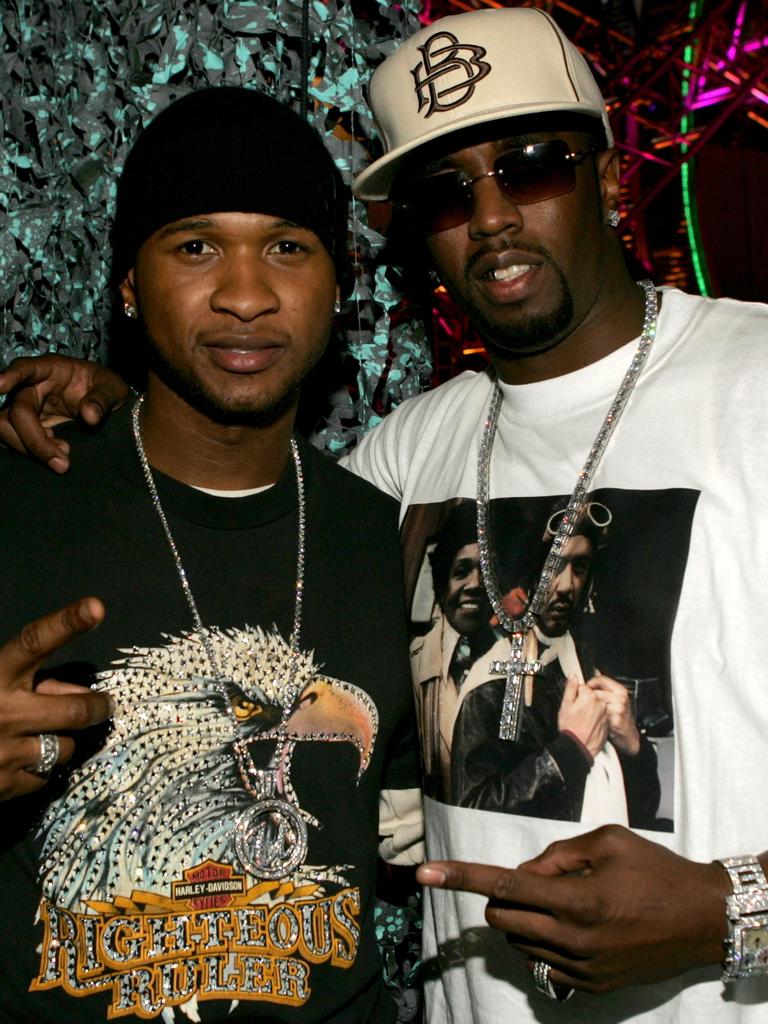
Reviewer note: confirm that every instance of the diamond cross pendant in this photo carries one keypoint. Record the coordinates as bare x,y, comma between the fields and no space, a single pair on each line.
516,668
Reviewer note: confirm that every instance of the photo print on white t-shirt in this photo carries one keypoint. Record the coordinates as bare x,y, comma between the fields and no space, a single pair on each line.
596,741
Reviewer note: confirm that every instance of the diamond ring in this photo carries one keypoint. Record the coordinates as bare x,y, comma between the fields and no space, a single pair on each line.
48,756
541,970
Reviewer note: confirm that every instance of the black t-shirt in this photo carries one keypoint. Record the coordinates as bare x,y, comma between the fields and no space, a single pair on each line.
174,875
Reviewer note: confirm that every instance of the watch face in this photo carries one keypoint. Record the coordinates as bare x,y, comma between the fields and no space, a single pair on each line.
754,946
755,940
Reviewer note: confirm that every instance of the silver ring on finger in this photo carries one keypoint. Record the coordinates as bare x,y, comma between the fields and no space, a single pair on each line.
560,993
48,756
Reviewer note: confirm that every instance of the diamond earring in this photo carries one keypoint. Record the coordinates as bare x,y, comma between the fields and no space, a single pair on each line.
337,307
613,218
130,311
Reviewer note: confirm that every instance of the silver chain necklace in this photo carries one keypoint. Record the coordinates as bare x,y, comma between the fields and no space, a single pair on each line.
518,667
272,823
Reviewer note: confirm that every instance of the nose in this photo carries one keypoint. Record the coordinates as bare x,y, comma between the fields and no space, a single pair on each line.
565,581
474,581
492,210
244,288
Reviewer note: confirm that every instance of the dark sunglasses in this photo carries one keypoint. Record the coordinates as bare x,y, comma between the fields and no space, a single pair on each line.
526,175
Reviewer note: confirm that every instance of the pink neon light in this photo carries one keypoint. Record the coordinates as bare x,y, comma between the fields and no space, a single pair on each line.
733,49
706,99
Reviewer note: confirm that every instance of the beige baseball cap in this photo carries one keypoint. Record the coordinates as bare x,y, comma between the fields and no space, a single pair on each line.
465,69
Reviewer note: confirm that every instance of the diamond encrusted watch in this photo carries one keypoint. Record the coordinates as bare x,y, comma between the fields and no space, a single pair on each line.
746,948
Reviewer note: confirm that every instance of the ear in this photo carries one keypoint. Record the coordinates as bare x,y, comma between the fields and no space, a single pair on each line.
128,288
608,174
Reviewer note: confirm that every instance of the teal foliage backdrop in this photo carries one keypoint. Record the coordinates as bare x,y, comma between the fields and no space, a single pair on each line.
78,79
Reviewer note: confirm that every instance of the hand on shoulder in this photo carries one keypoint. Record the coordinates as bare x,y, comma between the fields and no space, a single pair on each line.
45,390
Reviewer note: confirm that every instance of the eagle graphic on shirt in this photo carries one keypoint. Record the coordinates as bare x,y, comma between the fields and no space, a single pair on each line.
150,822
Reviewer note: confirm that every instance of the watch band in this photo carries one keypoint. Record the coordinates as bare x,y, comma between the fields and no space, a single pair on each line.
746,947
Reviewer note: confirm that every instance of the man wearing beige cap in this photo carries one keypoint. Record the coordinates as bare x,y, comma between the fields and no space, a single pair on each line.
499,150
602,390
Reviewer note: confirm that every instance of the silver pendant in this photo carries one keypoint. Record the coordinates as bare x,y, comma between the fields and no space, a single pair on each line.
271,839
516,668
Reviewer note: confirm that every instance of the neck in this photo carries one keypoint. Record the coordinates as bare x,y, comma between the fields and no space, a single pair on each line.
189,446
613,318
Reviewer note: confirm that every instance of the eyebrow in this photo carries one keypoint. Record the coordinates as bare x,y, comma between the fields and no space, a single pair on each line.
181,227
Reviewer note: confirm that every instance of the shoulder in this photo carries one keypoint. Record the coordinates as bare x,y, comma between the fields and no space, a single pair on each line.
353,532
93,465
386,455
712,348
26,471
453,394
726,345
347,490
429,645
709,320
18,472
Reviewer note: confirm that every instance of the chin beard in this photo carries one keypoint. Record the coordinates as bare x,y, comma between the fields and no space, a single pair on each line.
213,406
531,334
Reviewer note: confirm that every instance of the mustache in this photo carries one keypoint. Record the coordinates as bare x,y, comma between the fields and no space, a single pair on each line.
502,246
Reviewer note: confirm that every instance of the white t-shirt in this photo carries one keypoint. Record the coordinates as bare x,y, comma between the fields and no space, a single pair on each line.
677,610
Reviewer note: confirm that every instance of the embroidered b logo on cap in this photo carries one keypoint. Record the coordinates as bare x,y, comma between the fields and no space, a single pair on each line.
458,66
536,70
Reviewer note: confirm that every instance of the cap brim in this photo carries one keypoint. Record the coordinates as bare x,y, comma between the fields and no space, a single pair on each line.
375,182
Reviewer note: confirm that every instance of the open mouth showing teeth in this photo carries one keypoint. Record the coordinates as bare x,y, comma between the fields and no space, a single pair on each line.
509,273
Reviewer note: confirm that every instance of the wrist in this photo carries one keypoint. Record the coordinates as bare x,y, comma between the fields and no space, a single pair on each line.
709,923
627,742
583,748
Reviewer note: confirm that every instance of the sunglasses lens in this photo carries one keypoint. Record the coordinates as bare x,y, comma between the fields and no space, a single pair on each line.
440,202
526,175
537,172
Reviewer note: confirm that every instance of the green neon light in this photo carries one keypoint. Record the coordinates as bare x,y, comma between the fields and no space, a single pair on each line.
687,174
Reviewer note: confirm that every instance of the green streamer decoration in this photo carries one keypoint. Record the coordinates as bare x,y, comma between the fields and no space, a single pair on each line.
687,171
77,82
